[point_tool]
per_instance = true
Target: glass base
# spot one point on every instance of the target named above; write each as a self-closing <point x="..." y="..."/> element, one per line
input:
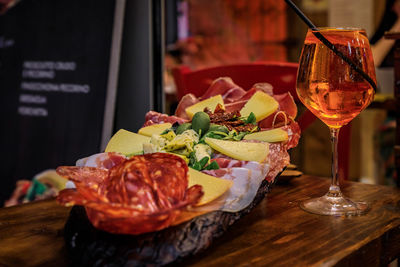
<point x="334" y="205"/>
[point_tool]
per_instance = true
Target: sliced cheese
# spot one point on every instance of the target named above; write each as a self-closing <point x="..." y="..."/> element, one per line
<point x="210" y="103"/>
<point x="240" y="150"/>
<point x="212" y="187"/>
<point x="127" y="143"/>
<point x="274" y="135"/>
<point x="154" y="129"/>
<point x="261" y="104"/>
<point x="52" y="178"/>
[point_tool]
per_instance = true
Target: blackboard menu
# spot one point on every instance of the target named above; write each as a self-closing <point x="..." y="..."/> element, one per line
<point x="54" y="64"/>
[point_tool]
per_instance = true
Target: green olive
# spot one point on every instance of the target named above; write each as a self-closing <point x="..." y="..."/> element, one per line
<point x="183" y="127"/>
<point x="201" y="122"/>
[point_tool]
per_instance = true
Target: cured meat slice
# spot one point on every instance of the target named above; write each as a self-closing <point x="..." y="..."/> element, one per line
<point x="239" y="103"/>
<point x="167" y="180"/>
<point x="275" y="120"/>
<point x="86" y="180"/>
<point x="278" y="159"/>
<point x="293" y="130"/>
<point x="287" y="104"/>
<point x="290" y="126"/>
<point x="225" y="87"/>
<point x="89" y="176"/>
<point x="265" y="87"/>
<point x="235" y="105"/>
<point x="233" y="95"/>
<point x="152" y="181"/>
<point x="186" y="101"/>
<point x="145" y="193"/>
<point x="105" y="160"/>
<point x="153" y="117"/>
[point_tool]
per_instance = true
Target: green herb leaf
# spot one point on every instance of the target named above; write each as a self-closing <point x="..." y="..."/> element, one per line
<point x="173" y="128"/>
<point x="196" y="166"/>
<point x="212" y="166"/>
<point x="192" y="158"/>
<point x="213" y="134"/>
<point x="239" y="136"/>
<point x="203" y="162"/>
<point x="134" y="154"/>
<point x="251" y="119"/>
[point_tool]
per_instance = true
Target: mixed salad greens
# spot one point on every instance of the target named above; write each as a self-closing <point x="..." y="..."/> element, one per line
<point x="187" y="139"/>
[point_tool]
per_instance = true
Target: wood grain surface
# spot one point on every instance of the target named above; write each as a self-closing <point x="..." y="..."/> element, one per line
<point x="279" y="233"/>
<point x="276" y="233"/>
<point x="32" y="234"/>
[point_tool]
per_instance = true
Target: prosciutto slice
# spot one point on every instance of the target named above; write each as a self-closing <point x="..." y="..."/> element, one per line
<point x="278" y="158"/>
<point x="153" y="117"/>
<point x="186" y="101"/>
<point x="101" y="160"/>
<point x="225" y="87"/>
<point x="247" y="177"/>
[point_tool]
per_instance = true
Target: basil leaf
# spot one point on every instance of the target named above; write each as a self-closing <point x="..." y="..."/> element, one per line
<point x="251" y="119"/>
<point x="203" y="162"/>
<point x="196" y="166"/>
<point x="239" y="136"/>
<point x="173" y="128"/>
<point x="212" y="166"/>
<point x="192" y="158"/>
<point x="212" y="134"/>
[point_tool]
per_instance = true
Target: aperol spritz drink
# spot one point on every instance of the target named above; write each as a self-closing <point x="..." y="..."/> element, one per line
<point x="336" y="86"/>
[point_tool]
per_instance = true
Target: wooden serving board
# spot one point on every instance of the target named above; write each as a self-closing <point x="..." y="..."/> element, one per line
<point x="88" y="246"/>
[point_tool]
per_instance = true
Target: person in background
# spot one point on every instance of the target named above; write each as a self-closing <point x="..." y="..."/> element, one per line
<point x="382" y="49"/>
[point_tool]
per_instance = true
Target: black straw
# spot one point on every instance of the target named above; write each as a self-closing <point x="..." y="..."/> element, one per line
<point x="301" y="15"/>
<point x="331" y="46"/>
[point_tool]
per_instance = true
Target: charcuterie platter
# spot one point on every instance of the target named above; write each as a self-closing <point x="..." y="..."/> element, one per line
<point x="166" y="192"/>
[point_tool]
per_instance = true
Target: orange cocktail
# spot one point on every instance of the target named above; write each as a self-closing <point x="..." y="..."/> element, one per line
<point x="336" y="81"/>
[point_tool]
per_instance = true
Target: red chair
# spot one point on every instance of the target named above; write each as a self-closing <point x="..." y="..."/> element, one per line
<point x="281" y="75"/>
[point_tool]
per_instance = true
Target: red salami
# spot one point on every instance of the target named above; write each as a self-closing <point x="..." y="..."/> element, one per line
<point x="278" y="159"/>
<point x="143" y="194"/>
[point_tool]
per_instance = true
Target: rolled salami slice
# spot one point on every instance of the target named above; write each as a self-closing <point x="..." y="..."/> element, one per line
<point x="143" y="194"/>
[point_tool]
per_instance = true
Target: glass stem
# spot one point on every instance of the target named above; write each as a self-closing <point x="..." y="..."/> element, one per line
<point x="334" y="189"/>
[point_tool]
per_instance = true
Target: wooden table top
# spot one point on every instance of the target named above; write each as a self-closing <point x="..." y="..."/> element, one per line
<point x="276" y="233"/>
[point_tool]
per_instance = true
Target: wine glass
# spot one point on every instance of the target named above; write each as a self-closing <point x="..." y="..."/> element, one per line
<point x="336" y="81"/>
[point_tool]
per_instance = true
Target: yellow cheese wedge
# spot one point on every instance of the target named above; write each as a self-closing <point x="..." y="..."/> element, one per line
<point x="210" y="103"/>
<point x="212" y="187"/>
<point x="274" y="135"/>
<point x="51" y="178"/>
<point x="240" y="150"/>
<point x="154" y="129"/>
<point x="127" y="143"/>
<point x="261" y="104"/>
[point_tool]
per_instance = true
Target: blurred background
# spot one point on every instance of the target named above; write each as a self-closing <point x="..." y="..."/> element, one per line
<point x="73" y="72"/>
